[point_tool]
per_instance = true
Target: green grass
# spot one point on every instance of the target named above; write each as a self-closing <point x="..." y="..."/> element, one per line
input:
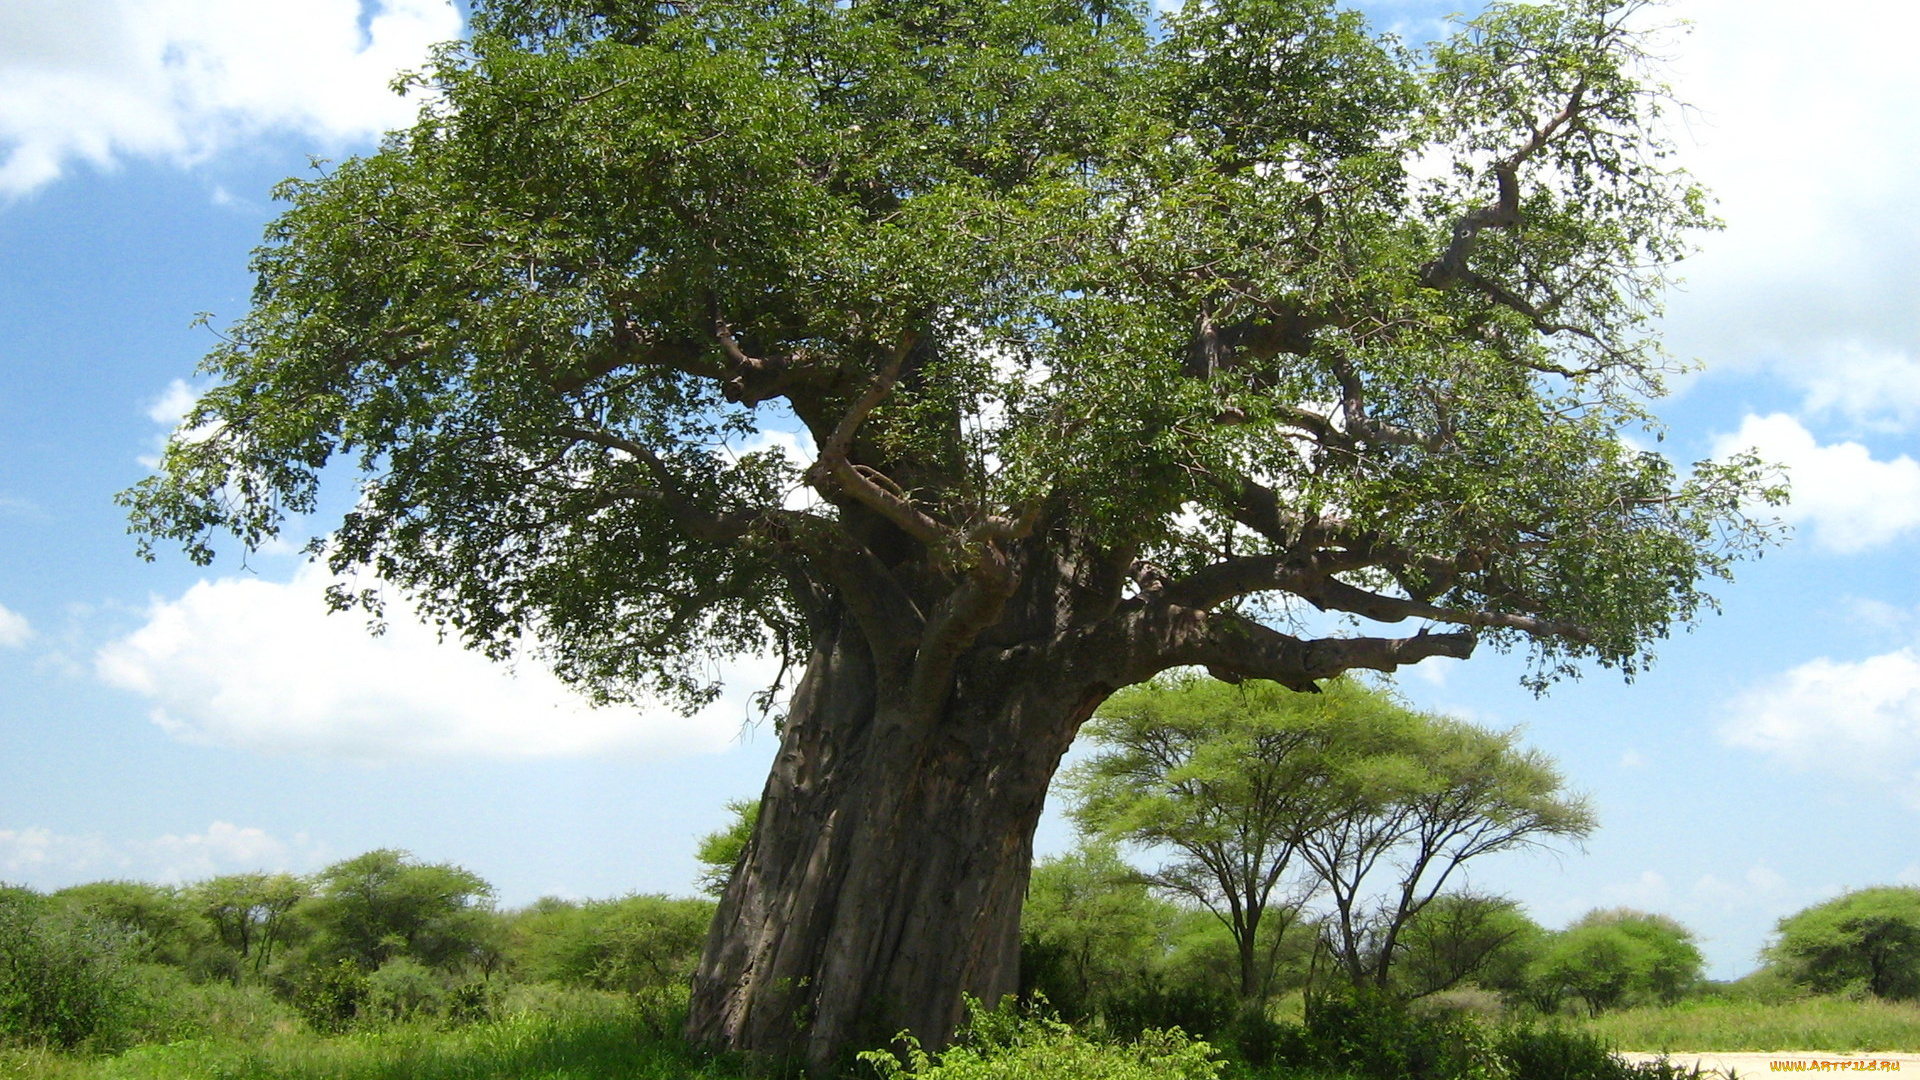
<point x="1811" y="1024"/>
<point x="586" y="1045"/>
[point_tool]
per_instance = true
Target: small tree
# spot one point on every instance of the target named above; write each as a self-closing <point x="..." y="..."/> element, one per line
<point x="721" y="849"/>
<point x="1461" y="938"/>
<point x="1867" y="940"/>
<point x="1226" y="779"/>
<point x="1617" y="957"/>
<point x="1239" y="782"/>
<point x="63" y="977"/>
<point x="159" y="918"/>
<point x="1090" y="928"/>
<point x="1415" y="797"/>
<point x="383" y="904"/>
<point x="251" y="912"/>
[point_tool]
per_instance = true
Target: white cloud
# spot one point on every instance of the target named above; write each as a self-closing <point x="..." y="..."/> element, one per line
<point x="1800" y="130"/>
<point x="40" y="856"/>
<point x="14" y="628"/>
<point x="98" y="80"/>
<point x="1870" y="386"/>
<point x="262" y="666"/>
<point x="1848" y="499"/>
<point x="173" y="404"/>
<point x="1853" y="719"/>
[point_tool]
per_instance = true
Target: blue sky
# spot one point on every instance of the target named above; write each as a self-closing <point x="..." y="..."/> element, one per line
<point x="165" y="722"/>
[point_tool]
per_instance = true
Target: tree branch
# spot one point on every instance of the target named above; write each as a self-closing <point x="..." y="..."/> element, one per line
<point x="699" y="522"/>
<point x="1313" y="581"/>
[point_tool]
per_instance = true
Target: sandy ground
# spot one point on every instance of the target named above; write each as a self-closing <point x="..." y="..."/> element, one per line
<point x="1751" y="1066"/>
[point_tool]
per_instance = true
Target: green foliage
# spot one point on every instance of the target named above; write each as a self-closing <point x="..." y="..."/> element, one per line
<point x="1243" y="785"/>
<point x="251" y="913"/>
<point x="330" y="997"/>
<point x="1466" y="938"/>
<point x="63" y="974"/>
<point x="720" y="850"/>
<point x="1369" y="1033"/>
<point x="375" y="907"/>
<point x="635" y="944"/>
<point x="1003" y="1046"/>
<point x="1617" y="957"/>
<point x="1090" y="930"/>
<point x="1867" y="941"/>
<point x="1559" y="1054"/>
<point x="1090" y="272"/>
<point x="159" y="919"/>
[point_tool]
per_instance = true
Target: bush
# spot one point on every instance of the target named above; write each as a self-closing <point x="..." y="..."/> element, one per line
<point x="330" y="997"/>
<point x="637" y="944"/>
<point x="63" y="975"/>
<point x="1001" y="1046"/>
<point x="170" y="1006"/>
<point x="1614" y="958"/>
<point x="1371" y="1034"/>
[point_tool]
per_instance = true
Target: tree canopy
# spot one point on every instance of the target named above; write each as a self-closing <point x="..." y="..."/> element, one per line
<point x="1866" y="940"/>
<point x="1251" y="789"/>
<point x="1264" y="304"/>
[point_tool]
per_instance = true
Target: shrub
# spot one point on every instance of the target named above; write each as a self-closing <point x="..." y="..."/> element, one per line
<point x="330" y="996"/>
<point x="1001" y="1046"/>
<point x="1372" y="1034"/>
<point x="637" y="944"/>
<point x="1617" y="957"/>
<point x="63" y="974"/>
<point x="403" y="989"/>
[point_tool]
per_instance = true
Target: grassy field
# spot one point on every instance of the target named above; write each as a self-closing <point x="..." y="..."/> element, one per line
<point x="602" y="1045"/>
<point x="1812" y="1024"/>
<point x="593" y="1039"/>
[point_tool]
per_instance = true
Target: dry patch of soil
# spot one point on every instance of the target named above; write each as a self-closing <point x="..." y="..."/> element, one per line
<point x="1751" y="1066"/>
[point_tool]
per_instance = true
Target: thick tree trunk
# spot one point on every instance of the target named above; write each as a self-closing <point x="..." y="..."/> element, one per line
<point x="886" y="875"/>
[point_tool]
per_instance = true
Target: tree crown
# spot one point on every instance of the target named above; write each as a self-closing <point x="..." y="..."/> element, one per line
<point x="1263" y="309"/>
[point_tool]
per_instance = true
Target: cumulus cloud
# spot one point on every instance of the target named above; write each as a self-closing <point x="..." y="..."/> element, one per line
<point x="1852" y="718"/>
<point x="100" y="80"/>
<point x="259" y="665"/>
<point x="1873" y="387"/>
<point x="14" y="628"/>
<point x="44" y="857"/>
<point x="1797" y="128"/>
<point x="1848" y="500"/>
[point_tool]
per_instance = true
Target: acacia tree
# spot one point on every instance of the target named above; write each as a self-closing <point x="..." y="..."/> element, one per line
<point x="1228" y="780"/>
<point x="1868" y="939"/>
<point x="1104" y="344"/>
<point x="1239" y="782"/>
<point x="1414" y="798"/>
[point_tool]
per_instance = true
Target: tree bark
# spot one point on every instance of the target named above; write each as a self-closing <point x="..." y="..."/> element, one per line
<point x="884" y="881"/>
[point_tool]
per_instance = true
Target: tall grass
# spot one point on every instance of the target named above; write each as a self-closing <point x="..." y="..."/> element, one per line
<point x="1830" y="1024"/>
<point x="594" y="1041"/>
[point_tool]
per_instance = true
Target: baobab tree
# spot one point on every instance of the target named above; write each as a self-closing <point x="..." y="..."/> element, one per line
<point x="1109" y="348"/>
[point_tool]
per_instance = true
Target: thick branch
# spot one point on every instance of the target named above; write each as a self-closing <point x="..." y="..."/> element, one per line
<point x="1504" y="212"/>
<point x="1151" y="635"/>
<point x="1233" y="647"/>
<point x="834" y="468"/>
<point x="1312" y="580"/>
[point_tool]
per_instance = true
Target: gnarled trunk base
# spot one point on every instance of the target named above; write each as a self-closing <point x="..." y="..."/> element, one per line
<point x="885" y="878"/>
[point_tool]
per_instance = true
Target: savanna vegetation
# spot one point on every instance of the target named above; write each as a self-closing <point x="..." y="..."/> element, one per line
<point x="1207" y="925"/>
